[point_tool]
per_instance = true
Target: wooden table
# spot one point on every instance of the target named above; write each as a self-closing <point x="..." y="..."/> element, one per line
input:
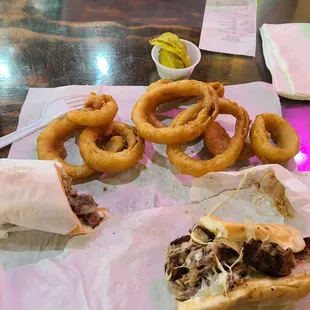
<point x="64" y="42"/>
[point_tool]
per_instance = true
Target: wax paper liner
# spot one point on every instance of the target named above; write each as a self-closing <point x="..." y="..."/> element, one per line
<point x="122" y="265"/>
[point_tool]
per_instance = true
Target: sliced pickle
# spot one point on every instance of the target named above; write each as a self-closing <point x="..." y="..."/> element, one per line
<point x="171" y="43"/>
<point x="170" y="60"/>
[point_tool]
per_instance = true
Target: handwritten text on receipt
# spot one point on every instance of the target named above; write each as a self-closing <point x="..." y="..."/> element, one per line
<point x="229" y="26"/>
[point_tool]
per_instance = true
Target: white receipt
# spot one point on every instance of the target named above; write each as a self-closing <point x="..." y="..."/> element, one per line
<point x="229" y="26"/>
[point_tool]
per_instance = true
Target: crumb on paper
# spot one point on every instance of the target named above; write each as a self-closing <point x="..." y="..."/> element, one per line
<point x="105" y="189"/>
<point x="186" y="211"/>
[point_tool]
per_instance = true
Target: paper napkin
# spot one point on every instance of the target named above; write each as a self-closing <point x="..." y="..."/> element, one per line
<point x="286" y="48"/>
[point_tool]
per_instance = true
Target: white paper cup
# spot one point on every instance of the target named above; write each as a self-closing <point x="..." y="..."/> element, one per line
<point x="177" y="74"/>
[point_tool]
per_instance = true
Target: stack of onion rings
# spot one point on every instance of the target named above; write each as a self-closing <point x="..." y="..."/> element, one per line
<point x="121" y="146"/>
<point x="206" y="109"/>
<point x="106" y="161"/>
<point x="197" y="168"/>
<point x="226" y="149"/>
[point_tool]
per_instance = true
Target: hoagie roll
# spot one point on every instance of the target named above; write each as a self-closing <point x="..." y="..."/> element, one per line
<point x="222" y="264"/>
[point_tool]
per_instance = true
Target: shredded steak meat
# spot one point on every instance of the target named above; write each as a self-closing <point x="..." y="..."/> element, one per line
<point x="187" y="264"/>
<point x="226" y="255"/>
<point x="268" y="258"/>
<point x="180" y="240"/>
<point x="92" y="219"/>
<point x="84" y="206"/>
<point x="239" y="271"/>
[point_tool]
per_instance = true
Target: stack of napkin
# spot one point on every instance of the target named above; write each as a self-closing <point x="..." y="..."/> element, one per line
<point x="286" y="50"/>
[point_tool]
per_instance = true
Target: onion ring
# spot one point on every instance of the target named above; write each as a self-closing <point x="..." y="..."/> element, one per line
<point x="175" y="133"/>
<point x="105" y="161"/>
<point x="98" y="111"/>
<point x="158" y="84"/>
<point x="216" y="140"/>
<point x="50" y="146"/>
<point x="115" y="144"/>
<point x="217" y="86"/>
<point x="197" y="168"/>
<point x="268" y="125"/>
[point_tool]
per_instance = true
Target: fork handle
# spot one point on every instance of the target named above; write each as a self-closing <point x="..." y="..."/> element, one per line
<point x="21" y="133"/>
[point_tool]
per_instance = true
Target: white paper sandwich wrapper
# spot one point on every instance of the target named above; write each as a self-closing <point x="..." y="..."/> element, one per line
<point x="286" y="49"/>
<point x="32" y="197"/>
<point x="214" y="188"/>
<point x="122" y="265"/>
<point x="119" y="267"/>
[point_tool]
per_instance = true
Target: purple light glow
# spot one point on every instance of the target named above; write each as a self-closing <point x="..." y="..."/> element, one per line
<point x="300" y="121"/>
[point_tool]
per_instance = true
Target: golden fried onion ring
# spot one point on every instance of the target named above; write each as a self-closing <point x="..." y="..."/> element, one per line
<point x="115" y="144"/>
<point x="98" y="110"/>
<point x="216" y="140"/>
<point x="158" y="84"/>
<point x="217" y="86"/>
<point x="175" y="133"/>
<point x="105" y="161"/>
<point x="197" y="168"/>
<point x="50" y="146"/>
<point x="268" y="125"/>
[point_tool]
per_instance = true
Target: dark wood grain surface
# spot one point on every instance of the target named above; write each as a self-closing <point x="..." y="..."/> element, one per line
<point x="54" y="43"/>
